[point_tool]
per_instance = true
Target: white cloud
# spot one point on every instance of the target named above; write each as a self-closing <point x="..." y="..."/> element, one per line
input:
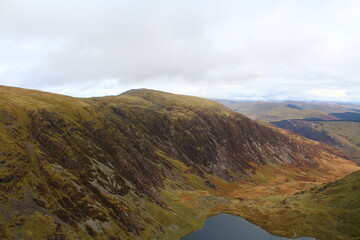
<point x="263" y="49"/>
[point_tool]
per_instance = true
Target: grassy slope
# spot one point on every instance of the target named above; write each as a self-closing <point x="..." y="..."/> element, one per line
<point x="106" y="167"/>
<point x="330" y="211"/>
<point x="347" y="133"/>
<point x="337" y="201"/>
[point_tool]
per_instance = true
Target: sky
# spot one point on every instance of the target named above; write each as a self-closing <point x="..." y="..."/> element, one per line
<point x="235" y="49"/>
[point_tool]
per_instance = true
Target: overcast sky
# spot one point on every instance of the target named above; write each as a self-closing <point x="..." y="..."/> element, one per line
<point x="256" y="49"/>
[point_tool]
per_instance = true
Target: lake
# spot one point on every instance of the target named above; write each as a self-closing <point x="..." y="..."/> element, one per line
<point x="228" y="227"/>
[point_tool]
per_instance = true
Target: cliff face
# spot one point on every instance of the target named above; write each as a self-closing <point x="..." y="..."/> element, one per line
<point x="107" y="166"/>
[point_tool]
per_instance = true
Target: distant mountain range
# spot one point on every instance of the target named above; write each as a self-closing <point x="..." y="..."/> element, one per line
<point x="152" y="165"/>
<point x="336" y="124"/>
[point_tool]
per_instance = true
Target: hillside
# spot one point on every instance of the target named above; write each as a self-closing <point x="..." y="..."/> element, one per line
<point x="344" y="135"/>
<point x="337" y="201"/>
<point x="328" y="211"/>
<point x="336" y="124"/>
<point x="142" y="164"/>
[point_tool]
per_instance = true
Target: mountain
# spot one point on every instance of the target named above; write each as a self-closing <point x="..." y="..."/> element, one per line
<point x="141" y="165"/>
<point x="336" y="124"/>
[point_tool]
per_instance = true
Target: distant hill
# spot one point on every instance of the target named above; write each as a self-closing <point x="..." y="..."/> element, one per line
<point x="336" y="124"/>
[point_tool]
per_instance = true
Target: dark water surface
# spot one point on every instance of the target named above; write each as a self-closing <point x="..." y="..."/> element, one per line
<point x="228" y="227"/>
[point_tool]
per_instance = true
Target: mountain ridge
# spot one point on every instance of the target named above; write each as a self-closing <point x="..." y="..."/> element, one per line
<point x="120" y="167"/>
